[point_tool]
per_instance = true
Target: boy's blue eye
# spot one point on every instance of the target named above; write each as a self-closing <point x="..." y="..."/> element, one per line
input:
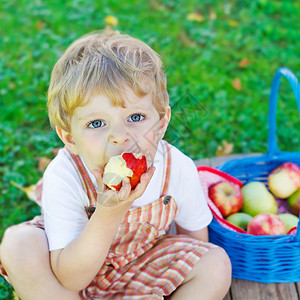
<point x="136" y="118"/>
<point x="96" y="124"/>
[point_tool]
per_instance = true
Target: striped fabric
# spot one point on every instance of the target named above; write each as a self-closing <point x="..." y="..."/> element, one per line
<point x="85" y="179"/>
<point x="143" y="262"/>
<point x="157" y="272"/>
<point x="167" y="164"/>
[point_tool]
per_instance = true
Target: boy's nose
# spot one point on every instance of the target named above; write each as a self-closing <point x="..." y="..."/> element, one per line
<point x="119" y="137"/>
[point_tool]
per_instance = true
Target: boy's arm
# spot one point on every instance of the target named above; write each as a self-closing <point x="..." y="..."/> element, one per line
<point x="76" y="265"/>
<point x="201" y="235"/>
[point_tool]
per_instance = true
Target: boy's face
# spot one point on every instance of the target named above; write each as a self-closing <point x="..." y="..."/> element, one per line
<point x="100" y="130"/>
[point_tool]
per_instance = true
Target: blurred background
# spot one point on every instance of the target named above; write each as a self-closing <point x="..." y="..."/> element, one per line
<point x="219" y="56"/>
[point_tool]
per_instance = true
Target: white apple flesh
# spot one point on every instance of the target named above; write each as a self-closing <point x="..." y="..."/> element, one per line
<point x="127" y="164"/>
<point x="115" y="171"/>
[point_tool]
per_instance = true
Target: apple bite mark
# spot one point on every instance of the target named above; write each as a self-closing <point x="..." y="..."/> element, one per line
<point x="127" y="164"/>
<point x="138" y="164"/>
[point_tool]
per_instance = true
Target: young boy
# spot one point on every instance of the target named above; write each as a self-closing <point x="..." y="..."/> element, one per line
<point x="108" y="95"/>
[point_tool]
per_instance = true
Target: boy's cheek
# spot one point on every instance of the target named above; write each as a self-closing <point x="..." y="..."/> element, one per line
<point x="156" y="133"/>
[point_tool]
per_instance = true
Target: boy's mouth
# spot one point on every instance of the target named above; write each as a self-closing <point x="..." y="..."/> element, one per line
<point x="125" y="165"/>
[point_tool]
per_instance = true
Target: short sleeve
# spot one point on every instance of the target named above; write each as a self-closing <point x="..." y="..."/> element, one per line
<point x="193" y="211"/>
<point x="63" y="201"/>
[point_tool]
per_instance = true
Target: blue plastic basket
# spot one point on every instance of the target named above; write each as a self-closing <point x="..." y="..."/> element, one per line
<point x="273" y="258"/>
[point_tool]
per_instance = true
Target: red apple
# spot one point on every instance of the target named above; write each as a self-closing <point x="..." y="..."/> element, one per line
<point x="266" y="224"/>
<point x="226" y="196"/>
<point x="284" y="180"/>
<point x="294" y="203"/>
<point x="127" y="164"/>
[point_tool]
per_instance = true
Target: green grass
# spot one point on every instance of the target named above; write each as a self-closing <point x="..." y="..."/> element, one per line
<point x="201" y="60"/>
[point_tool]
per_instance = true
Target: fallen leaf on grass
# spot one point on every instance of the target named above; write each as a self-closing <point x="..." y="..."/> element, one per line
<point x="43" y="163"/>
<point x="111" y="20"/>
<point x="195" y="17"/>
<point x="244" y="62"/>
<point x="16" y="297"/>
<point x="39" y="25"/>
<point x="233" y="23"/>
<point x="30" y="190"/>
<point x="11" y="85"/>
<point x="212" y="15"/>
<point x="55" y="151"/>
<point x="225" y="149"/>
<point x="237" y="84"/>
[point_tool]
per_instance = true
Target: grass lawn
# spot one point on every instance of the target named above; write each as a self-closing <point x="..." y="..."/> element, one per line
<point x="220" y="57"/>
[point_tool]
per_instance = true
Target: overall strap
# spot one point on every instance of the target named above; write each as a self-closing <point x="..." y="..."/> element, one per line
<point x="85" y="179"/>
<point x="167" y="168"/>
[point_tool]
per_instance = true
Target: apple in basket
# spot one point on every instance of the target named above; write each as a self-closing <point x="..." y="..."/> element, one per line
<point x="289" y="220"/>
<point x="127" y="164"/>
<point x="284" y="180"/>
<point x="226" y="196"/>
<point x="294" y="203"/>
<point x="266" y="224"/>
<point x="239" y="219"/>
<point x="257" y="199"/>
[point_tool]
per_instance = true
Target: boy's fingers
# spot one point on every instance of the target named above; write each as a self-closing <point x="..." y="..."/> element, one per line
<point x="113" y="198"/>
<point x="146" y="177"/>
<point x="125" y="189"/>
<point x="144" y="181"/>
<point x="150" y="172"/>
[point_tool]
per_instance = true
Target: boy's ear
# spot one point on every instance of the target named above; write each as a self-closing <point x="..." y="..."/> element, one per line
<point x="66" y="138"/>
<point x="165" y="122"/>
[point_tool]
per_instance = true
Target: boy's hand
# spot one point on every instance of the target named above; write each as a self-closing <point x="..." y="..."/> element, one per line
<point x="120" y="201"/>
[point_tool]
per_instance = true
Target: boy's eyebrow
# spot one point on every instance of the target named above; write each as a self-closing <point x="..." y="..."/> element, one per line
<point x="96" y="114"/>
<point x="88" y="116"/>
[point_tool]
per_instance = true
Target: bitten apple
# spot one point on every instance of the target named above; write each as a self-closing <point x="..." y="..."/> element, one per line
<point x="284" y="180"/>
<point x="226" y="196"/>
<point x="127" y="164"/>
<point x="266" y="224"/>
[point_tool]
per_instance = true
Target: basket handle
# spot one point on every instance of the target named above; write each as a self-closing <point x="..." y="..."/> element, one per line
<point x="272" y="141"/>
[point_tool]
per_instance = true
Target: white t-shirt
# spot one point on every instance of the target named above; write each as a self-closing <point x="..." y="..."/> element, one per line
<point x="64" y="200"/>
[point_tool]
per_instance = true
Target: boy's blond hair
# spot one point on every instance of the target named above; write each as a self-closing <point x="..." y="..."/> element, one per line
<point x="104" y="63"/>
